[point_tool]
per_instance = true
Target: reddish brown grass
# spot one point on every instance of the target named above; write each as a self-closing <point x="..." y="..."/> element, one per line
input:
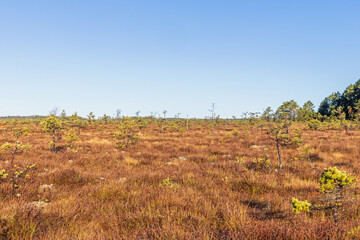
<point x="101" y="192"/>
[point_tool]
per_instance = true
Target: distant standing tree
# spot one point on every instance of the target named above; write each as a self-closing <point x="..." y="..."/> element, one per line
<point x="51" y="125"/>
<point x="288" y="110"/>
<point x="187" y="122"/>
<point x="63" y="115"/>
<point x="163" y="122"/>
<point x="137" y="113"/>
<point x="106" y="118"/>
<point x="212" y="112"/>
<point x="75" y="121"/>
<point x="329" y="104"/>
<point x="164" y="112"/>
<point x="307" y="112"/>
<point x="118" y="113"/>
<point x="279" y="133"/>
<point x="91" y="118"/>
<point x="54" y="111"/>
<point x="244" y="115"/>
<point x="267" y="114"/>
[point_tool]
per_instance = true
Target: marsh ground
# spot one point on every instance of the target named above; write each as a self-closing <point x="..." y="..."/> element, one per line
<point x="198" y="184"/>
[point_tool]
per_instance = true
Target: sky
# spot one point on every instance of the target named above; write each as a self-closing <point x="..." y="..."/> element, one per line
<point x="181" y="55"/>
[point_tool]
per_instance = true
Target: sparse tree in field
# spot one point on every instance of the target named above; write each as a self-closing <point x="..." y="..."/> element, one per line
<point x="106" y="118"/>
<point x="244" y="115"/>
<point x="344" y="123"/>
<point x="267" y="114"/>
<point x="37" y="123"/>
<point x="76" y="121"/>
<point x="306" y="113"/>
<point x="212" y="112"/>
<point x="91" y="118"/>
<point x="54" y="111"/>
<point x="51" y="125"/>
<point x="118" y="113"/>
<point x="235" y="133"/>
<point x="127" y="133"/>
<point x="63" y="115"/>
<point x="141" y="123"/>
<point x="288" y="110"/>
<point x="187" y="122"/>
<point x="163" y="122"/>
<point x="71" y="137"/>
<point x="279" y="133"/>
<point x="333" y="184"/>
<point x="164" y="112"/>
<point x="254" y="117"/>
<point x="15" y="173"/>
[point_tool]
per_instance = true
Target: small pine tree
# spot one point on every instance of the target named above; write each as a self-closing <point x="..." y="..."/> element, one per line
<point x="51" y="125"/>
<point x="91" y="118"/>
<point x="127" y="133"/>
<point x="15" y="173"/>
<point x="71" y="137"/>
<point x="333" y="183"/>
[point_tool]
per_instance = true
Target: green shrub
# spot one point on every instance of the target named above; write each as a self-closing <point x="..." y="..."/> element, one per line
<point x="299" y="206"/>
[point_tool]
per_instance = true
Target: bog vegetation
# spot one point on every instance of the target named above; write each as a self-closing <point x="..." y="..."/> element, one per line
<point x="284" y="174"/>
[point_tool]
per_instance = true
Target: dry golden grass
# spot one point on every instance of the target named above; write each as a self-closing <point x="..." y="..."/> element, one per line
<point x="213" y="190"/>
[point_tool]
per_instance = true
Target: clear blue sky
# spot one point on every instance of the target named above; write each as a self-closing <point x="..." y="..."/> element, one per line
<point x="178" y="55"/>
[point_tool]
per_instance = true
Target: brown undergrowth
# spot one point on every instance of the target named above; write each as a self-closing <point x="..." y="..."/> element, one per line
<point x="201" y="183"/>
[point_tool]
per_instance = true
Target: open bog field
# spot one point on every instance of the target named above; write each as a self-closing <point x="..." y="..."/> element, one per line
<point x="175" y="182"/>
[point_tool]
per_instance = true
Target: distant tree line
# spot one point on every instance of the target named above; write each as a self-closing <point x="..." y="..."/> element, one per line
<point x="348" y="103"/>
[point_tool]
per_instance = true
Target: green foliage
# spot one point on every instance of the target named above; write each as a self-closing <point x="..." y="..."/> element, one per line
<point x="314" y="124"/>
<point x="127" y="133"/>
<point x="15" y="174"/>
<point x="299" y="206"/>
<point x="307" y="112"/>
<point x="267" y="114"/>
<point x="167" y="182"/>
<point x="347" y="102"/>
<point x="141" y="123"/>
<point x="91" y="118"/>
<point x="3" y="174"/>
<point x="329" y="105"/>
<point x="78" y="122"/>
<point x="332" y="184"/>
<point x="333" y="179"/>
<point x="181" y="130"/>
<point x="71" y="137"/>
<point x="288" y="110"/>
<point x="296" y="140"/>
<point x="105" y="119"/>
<point x="63" y="115"/>
<point x="16" y="147"/>
<point x="19" y="174"/>
<point x="261" y="163"/>
<point x="51" y="124"/>
<point x="306" y="152"/>
<point x="354" y="232"/>
<point x="280" y="133"/>
<point x="235" y="132"/>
